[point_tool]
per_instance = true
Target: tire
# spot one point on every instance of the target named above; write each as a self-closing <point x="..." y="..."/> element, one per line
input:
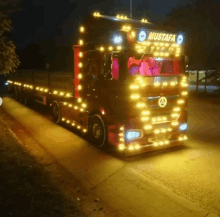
<point x="15" y="96"/>
<point x="19" y="96"/>
<point x="56" y="112"/>
<point x="98" y="130"/>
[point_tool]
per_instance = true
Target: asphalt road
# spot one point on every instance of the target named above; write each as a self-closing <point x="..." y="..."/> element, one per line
<point x="191" y="171"/>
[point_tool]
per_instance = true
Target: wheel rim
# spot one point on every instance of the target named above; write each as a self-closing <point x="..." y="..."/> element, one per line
<point x="96" y="130"/>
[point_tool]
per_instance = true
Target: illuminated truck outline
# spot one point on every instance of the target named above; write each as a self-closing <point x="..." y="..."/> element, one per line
<point x="153" y="126"/>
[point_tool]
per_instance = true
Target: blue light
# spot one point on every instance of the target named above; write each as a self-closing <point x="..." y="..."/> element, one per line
<point x="133" y="134"/>
<point x="117" y="39"/>
<point x="142" y="35"/>
<point x="6" y="83"/>
<point x="179" y="39"/>
<point x="183" y="127"/>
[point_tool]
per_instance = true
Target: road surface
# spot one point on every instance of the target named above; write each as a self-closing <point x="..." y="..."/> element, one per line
<point x="191" y="171"/>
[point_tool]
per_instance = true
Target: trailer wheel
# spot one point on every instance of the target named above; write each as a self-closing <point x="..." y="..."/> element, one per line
<point x="56" y="112"/>
<point x="15" y="96"/>
<point x="98" y="130"/>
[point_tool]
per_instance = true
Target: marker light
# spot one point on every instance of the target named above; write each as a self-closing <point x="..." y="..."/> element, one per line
<point x="142" y="35"/>
<point x="132" y="135"/>
<point x="6" y="83"/>
<point x="180" y="39"/>
<point x="117" y="39"/>
<point x="183" y="127"/>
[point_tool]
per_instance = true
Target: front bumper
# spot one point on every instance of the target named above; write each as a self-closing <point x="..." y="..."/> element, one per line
<point x="142" y="148"/>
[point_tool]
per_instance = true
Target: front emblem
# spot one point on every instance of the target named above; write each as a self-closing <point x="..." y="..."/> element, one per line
<point x="162" y="101"/>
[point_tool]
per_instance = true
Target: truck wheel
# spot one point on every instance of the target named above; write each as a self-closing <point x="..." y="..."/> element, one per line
<point x="56" y="112"/>
<point x="98" y="130"/>
<point x="15" y="96"/>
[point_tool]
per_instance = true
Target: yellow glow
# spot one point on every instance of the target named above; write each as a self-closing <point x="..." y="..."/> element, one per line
<point x="163" y="130"/>
<point x="31" y="87"/>
<point x="81" y="42"/>
<point x="121" y="146"/>
<point x="24" y="85"/>
<point x="162" y="44"/>
<point x="148" y="127"/>
<point x="174" y="123"/>
<point x="172" y="83"/>
<point x="161" y="143"/>
<point x="84" y="105"/>
<point x="180" y="139"/>
<point x="82" y="29"/>
<point x="75" y="107"/>
<point x="156" y="53"/>
<point x="156" y="43"/>
<point x="161" y="54"/>
<point x="133" y="34"/>
<point x="165" y="83"/>
<point x="63" y="119"/>
<point x="180" y="101"/>
<point x="184" y="93"/>
<point x="145" y="118"/>
<point x="78" y="127"/>
<point x="177" y="109"/>
<point x="145" y="112"/>
<point x="80" y="54"/>
<point x="166" y="142"/>
<point x="137" y="146"/>
<point x="169" y="129"/>
<point x="134" y="86"/>
<point x="154" y="119"/>
<point x="164" y="118"/>
<point x="79" y="87"/>
<point x="131" y="148"/>
<point x="79" y="100"/>
<point x="121" y="140"/>
<point x="70" y="105"/>
<point x="156" y="131"/>
<point x="119" y="47"/>
<point x="166" y="54"/>
<point x="121" y="134"/>
<point x="155" y="144"/>
<point x="159" y="119"/>
<point x="61" y="93"/>
<point x="41" y="89"/>
<point x="65" y="103"/>
<point x="122" y="128"/>
<point x="37" y="88"/>
<point x="110" y="48"/>
<point x="55" y="92"/>
<point x="184" y="84"/>
<point x="102" y="48"/>
<point x="166" y="44"/>
<point x="185" y="137"/>
<point x="80" y="65"/>
<point x="68" y="121"/>
<point x="81" y="109"/>
<point x="68" y="95"/>
<point x="73" y="124"/>
<point x="177" y="55"/>
<point x="156" y="84"/>
<point x="80" y="76"/>
<point x="140" y="105"/>
<point x="84" y="130"/>
<point x="174" y="115"/>
<point x="135" y="96"/>
<point x="46" y="90"/>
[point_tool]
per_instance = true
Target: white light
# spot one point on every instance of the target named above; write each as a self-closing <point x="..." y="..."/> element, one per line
<point x="117" y="39"/>
<point x="179" y="39"/>
<point x="133" y="134"/>
<point x="183" y="127"/>
<point x="142" y="35"/>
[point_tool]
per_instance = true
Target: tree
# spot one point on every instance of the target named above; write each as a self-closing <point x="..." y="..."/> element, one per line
<point x="8" y="59"/>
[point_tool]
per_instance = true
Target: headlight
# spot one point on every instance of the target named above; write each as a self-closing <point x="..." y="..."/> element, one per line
<point x="183" y="127"/>
<point x="133" y="134"/>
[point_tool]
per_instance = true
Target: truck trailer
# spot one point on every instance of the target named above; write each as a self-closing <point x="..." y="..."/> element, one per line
<point x="128" y="88"/>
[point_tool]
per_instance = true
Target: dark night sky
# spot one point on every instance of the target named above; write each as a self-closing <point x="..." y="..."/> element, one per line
<point x="57" y="19"/>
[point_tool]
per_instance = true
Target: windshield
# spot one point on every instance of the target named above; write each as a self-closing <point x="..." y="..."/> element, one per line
<point x="152" y="66"/>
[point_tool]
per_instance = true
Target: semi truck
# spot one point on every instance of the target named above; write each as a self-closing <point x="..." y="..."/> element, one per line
<point x="128" y="87"/>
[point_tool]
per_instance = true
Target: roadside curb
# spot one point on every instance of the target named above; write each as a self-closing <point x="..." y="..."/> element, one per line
<point x="119" y="186"/>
